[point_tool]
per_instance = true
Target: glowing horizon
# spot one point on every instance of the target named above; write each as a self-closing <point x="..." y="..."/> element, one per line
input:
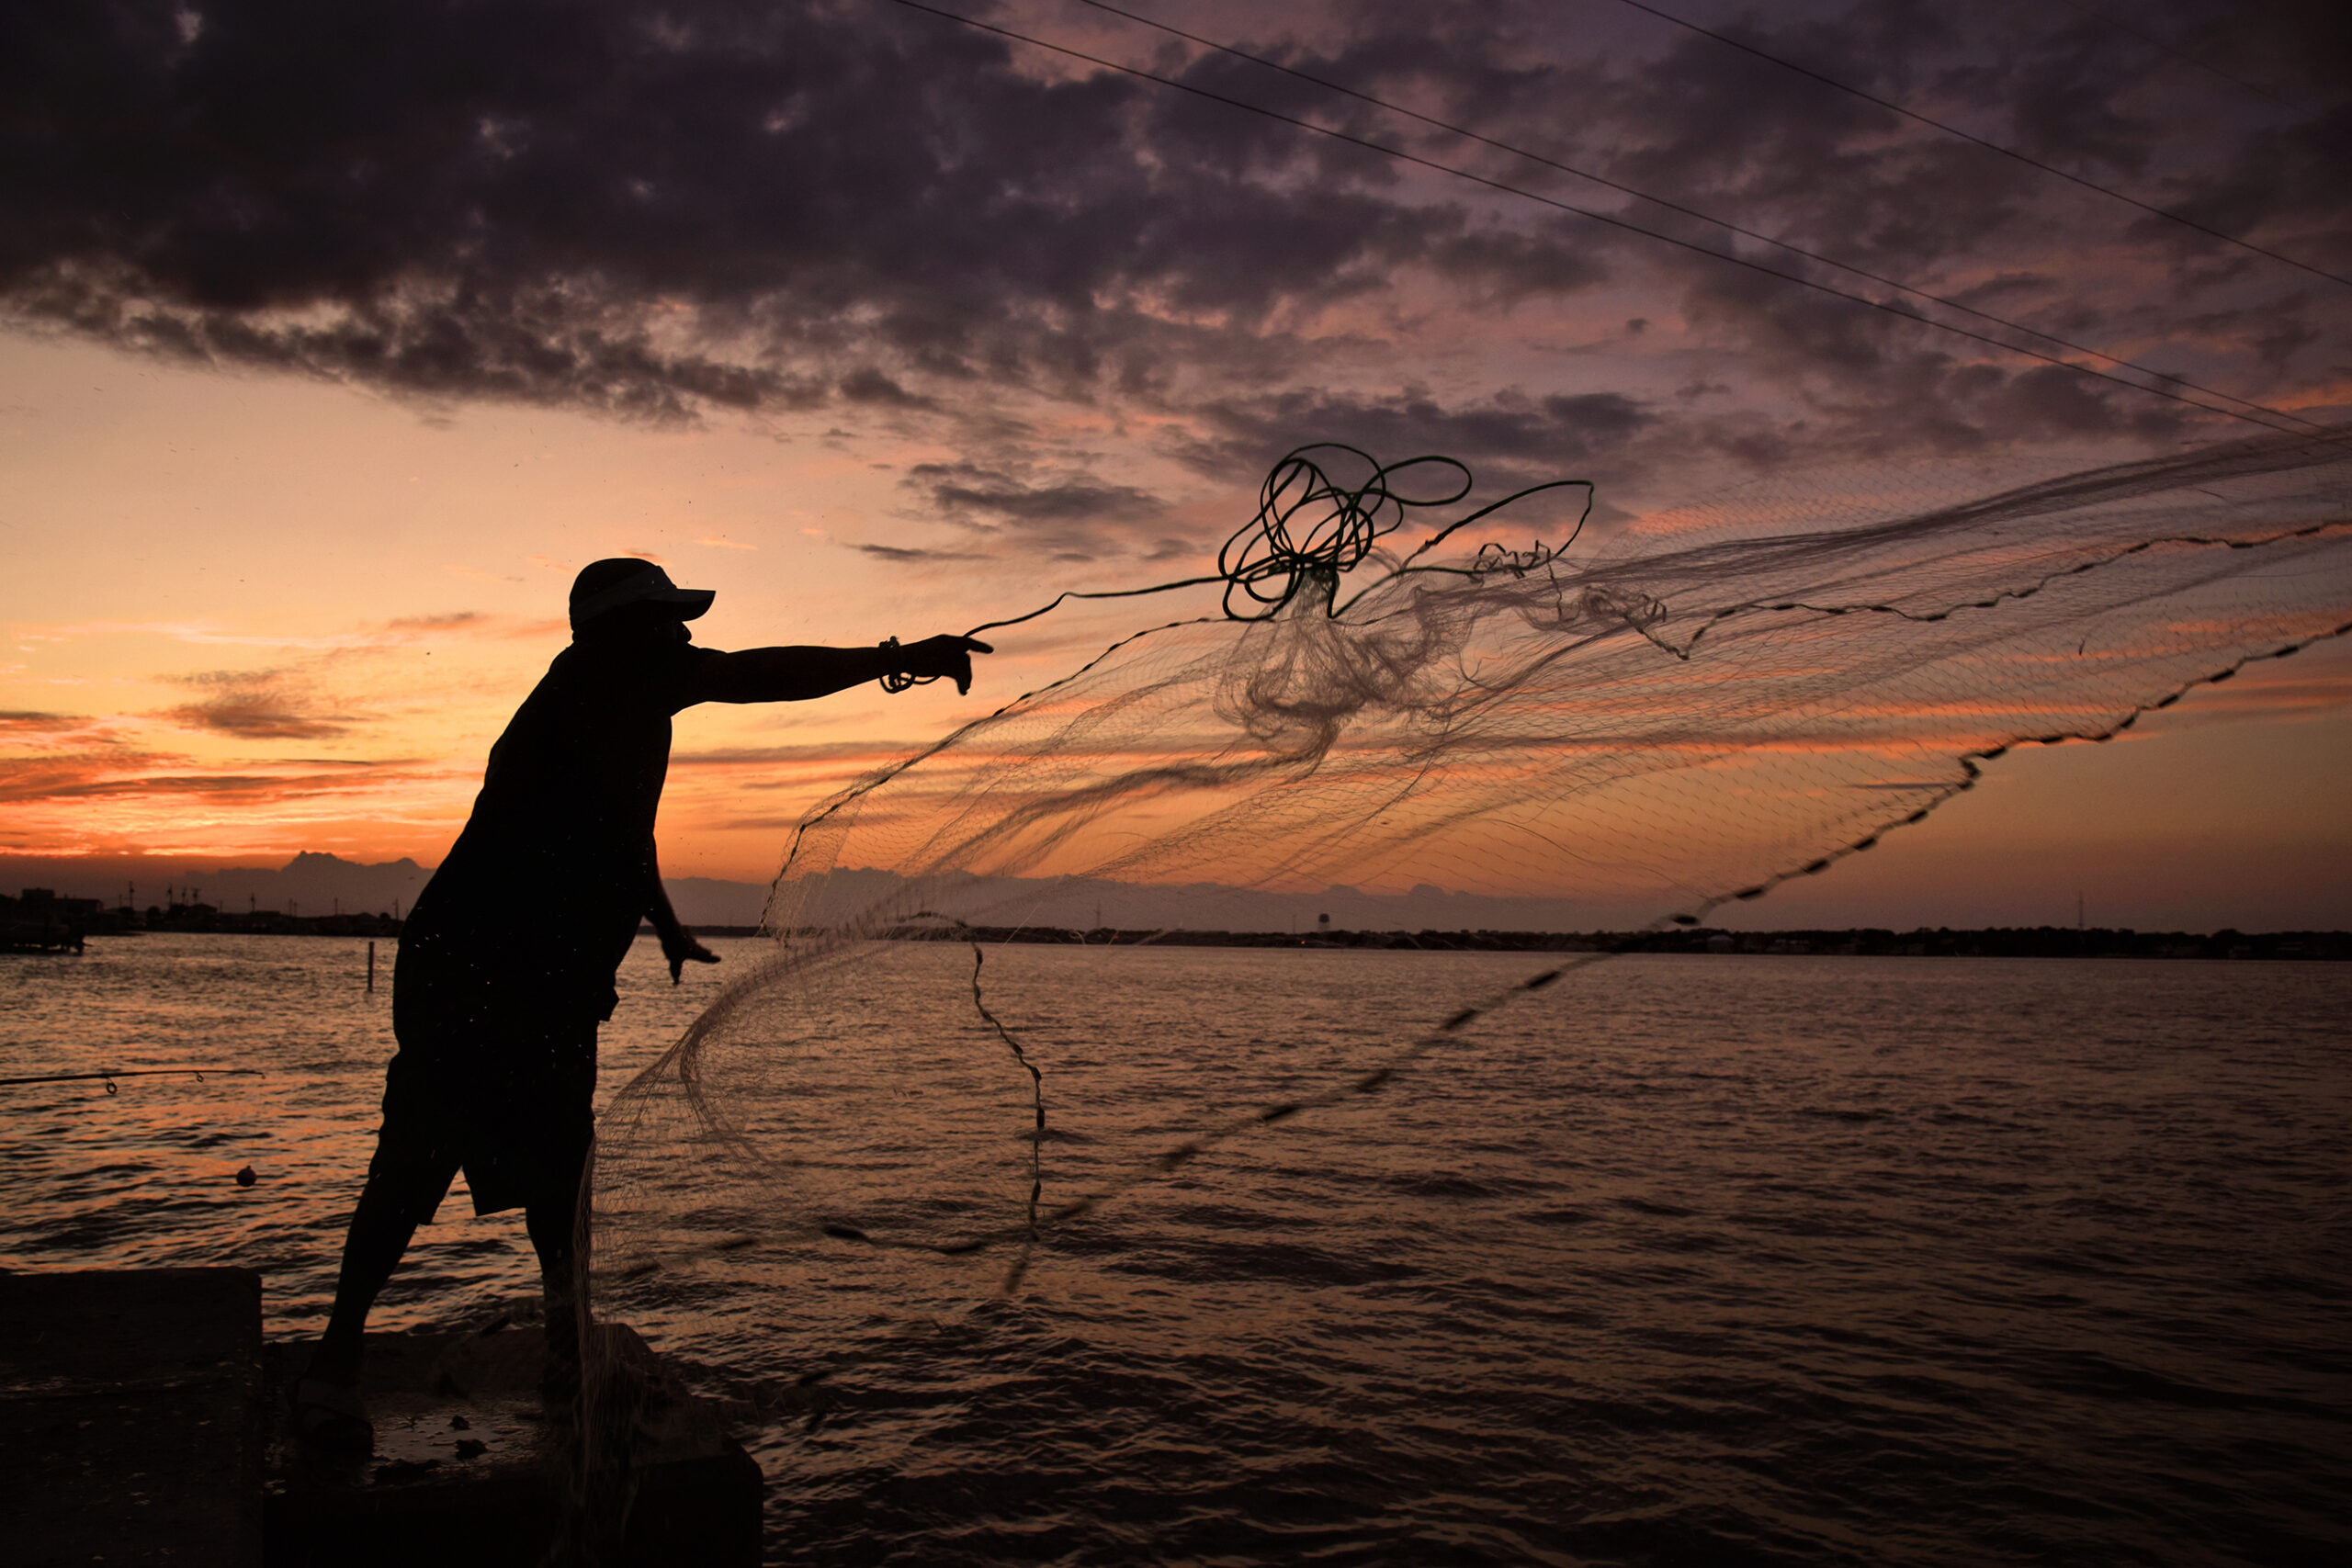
<point x="290" y="543"/>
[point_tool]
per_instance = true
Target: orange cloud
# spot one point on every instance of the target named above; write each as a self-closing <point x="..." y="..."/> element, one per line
<point x="121" y="798"/>
<point x="396" y="632"/>
<point x="257" y="704"/>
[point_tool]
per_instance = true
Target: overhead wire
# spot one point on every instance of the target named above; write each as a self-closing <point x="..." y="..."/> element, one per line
<point x="1609" y="220"/>
<point x="2006" y="151"/>
<point x="1687" y="210"/>
<point x="2119" y="25"/>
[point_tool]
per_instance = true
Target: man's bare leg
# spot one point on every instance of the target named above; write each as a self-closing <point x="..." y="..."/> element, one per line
<point x="552" y="1234"/>
<point x="326" y="1396"/>
<point x="382" y="1227"/>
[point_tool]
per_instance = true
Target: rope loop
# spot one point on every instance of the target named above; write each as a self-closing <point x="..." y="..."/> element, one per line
<point x="1310" y="528"/>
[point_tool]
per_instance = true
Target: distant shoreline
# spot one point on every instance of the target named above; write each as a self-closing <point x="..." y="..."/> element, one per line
<point x="2001" y="942"/>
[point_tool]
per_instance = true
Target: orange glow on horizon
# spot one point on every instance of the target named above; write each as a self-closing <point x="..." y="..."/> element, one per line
<point x="298" y="621"/>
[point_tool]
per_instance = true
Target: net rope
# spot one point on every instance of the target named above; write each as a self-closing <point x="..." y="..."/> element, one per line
<point x="1709" y="704"/>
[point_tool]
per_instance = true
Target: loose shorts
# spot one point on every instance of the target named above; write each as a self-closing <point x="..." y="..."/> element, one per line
<point x="495" y="1076"/>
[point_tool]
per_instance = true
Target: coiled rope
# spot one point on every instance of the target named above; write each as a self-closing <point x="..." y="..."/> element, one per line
<point x="1311" y="529"/>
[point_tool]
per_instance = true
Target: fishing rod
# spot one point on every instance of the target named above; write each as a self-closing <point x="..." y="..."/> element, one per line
<point x="129" y="1073"/>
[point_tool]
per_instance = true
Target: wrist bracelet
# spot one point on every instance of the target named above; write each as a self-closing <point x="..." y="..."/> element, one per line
<point x="896" y="681"/>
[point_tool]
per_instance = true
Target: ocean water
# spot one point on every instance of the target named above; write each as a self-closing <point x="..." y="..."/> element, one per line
<point x="1704" y="1259"/>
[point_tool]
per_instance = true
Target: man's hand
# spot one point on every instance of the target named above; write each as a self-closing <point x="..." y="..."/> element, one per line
<point x="682" y="949"/>
<point x="943" y="657"/>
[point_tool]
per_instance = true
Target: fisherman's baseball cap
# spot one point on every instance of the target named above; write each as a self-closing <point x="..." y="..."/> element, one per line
<point x="624" y="580"/>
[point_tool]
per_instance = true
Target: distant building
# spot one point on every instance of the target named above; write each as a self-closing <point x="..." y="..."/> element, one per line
<point x="37" y="920"/>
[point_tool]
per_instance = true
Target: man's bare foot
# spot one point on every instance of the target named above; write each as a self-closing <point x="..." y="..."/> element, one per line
<point x="560" y="1376"/>
<point x="331" y="1418"/>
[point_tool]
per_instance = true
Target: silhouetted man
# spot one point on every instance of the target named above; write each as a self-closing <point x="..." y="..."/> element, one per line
<point x="507" y="961"/>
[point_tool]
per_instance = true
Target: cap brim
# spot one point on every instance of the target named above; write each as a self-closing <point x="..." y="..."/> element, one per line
<point x="688" y="603"/>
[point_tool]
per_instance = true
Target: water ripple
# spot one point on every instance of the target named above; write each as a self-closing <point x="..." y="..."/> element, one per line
<point x="1723" y="1260"/>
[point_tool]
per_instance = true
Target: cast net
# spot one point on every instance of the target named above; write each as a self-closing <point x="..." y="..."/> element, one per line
<point x="902" y="1107"/>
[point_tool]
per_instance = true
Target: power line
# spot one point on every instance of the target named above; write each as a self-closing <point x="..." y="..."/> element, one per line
<point x="1689" y="212"/>
<point x="2121" y="26"/>
<point x="1614" y="222"/>
<point x="1981" y="141"/>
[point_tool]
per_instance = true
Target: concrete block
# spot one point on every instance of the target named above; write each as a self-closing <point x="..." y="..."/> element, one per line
<point x="130" y="1417"/>
<point x="469" y="1468"/>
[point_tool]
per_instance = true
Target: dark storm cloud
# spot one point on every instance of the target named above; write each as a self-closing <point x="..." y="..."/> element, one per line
<point x="1751" y="141"/>
<point x="1506" y="267"/>
<point x="2049" y="399"/>
<point x="1795" y="157"/>
<point x="971" y="489"/>
<point x="871" y="386"/>
<point x="2296" y="172"/>
<point x="1753" y="138"/>
<point x="1045" y="510"/>
<point x="640" y="211"/>
<point x="843" y="204"/>
<point x="1523" y="434"/>
<point x="1878" y="384"/>
<point x="2064" y="109"/>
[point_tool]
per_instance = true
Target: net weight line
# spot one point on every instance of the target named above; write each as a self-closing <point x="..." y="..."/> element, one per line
<point x="1028" y="1234"/>
<point x="803" y="1222"/>
<point x="1342" y="537"/>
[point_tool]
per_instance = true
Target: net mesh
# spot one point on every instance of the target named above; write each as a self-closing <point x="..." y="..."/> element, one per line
<point x="1712" y="701"/>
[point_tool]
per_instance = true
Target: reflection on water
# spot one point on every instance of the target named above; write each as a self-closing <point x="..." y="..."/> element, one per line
<point x="1704" y="1260"/>
<point x="145" y="1178"/>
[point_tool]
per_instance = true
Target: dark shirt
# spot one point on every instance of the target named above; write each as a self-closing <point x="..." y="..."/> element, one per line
<point x="543" y="891"/>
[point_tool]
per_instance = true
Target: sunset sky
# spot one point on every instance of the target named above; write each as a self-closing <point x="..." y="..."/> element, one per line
<point x="337" y="338"/>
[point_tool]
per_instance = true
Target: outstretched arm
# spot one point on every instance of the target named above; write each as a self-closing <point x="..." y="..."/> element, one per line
<point x="797" y="674"/>
<point x="678" y="944"/>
